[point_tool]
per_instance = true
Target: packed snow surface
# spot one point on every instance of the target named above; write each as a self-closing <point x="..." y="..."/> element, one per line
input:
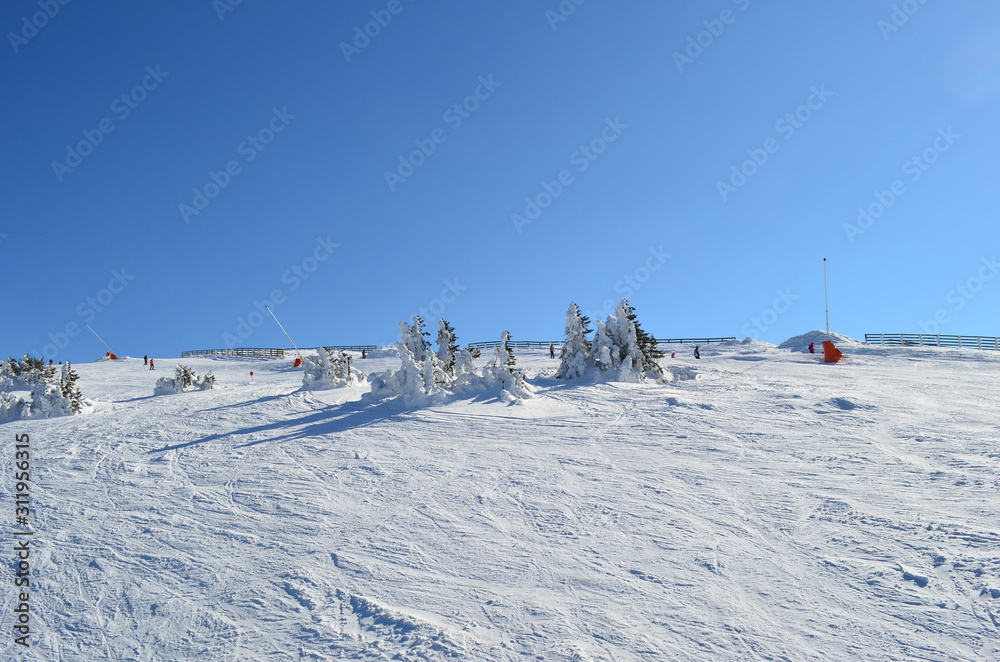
<point x="765" y="506"/>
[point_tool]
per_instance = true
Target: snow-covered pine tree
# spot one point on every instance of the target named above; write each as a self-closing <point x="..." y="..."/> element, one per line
<point x="69" y="390"/>
<point x="648" y="348"/>
<point x="575" y="351"/>
<point x="505" y="352"/>
<point x="420" y="347"/>
<point x="616" y="348"/>
<point x="329" y="370"/>
<point x="501" y="373"/>
<point x="447" y="347"/>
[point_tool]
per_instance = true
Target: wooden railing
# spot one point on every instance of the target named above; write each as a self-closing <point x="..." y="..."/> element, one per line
<point x="692" y="341"/>
<point x="492" y="344"/>
<point x="236" y="351"/>
<point x="932" y="340"/>
<point x="558" y="343"/>
<point x="349" y="348"/>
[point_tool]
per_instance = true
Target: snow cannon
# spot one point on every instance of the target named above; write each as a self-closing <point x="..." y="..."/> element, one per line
<point x="297" y="363"/>
<point x="830" y="353"/>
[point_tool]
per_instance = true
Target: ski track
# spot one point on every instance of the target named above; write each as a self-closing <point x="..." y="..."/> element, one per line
<point x="772" y="509"/>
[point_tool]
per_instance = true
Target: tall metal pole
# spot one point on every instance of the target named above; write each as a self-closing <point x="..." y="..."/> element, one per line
<point x="99" y="338"/>
<point x="283" y="331"/>
<point x="827" y="296"/>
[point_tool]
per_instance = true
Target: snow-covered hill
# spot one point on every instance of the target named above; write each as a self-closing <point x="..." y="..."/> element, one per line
<point x="773" y="508"/>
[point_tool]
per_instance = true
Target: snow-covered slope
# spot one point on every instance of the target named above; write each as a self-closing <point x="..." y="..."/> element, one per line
<point x="773" y="508"/>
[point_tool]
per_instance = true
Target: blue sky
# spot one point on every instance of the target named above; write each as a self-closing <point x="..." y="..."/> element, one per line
<point x="169" y="167"/>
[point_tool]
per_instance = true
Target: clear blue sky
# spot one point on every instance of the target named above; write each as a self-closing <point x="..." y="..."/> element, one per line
<point x="309" y="127"/>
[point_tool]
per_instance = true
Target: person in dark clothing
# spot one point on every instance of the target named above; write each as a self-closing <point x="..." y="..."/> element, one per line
<point x="697" y="354"/>
<point x="552" y="350"/>
<point x="145" y="360"/>
<point x="151" y="364"/>
<point x="364" y="353"/>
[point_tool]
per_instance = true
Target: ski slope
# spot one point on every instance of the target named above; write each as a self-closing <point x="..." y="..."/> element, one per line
<point x="773" y="508"/>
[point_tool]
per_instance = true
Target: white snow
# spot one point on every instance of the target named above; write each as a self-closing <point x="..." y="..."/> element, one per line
<point x="762" y="506"/>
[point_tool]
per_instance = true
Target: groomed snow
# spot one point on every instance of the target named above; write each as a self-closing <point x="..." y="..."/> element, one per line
<point x="766" y="507"/>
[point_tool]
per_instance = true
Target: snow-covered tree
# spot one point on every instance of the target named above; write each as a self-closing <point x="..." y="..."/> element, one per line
<point x="501" y="373"/>
<point x="184" y="379"/>
<point x="69" y="390"/>
<point x="418" y="339"/>
<point x="49" y="394"/>
<point x="574" y="359"/>
<point x="646" y="343"/>
<point x="616" y="348"/>
<point x="329" y="370"/>
<point x="447" y="347"/>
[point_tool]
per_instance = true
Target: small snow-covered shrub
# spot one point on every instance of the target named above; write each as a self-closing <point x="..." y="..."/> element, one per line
<point x="500" y="374"/>
<point x="184" y="379"/>
<point x="50" y="395"/>
<point x="329" y="370"/>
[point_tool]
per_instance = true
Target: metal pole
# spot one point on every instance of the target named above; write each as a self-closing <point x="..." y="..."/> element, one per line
<point x="827" y="297"/>
<point x="283" y="331"/>
<point x="99" y="338"/>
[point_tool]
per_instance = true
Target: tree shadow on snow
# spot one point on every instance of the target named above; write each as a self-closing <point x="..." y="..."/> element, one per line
<point x="329" y="420"/>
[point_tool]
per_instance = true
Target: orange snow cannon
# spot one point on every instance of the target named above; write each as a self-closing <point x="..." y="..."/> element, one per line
<point x="830" y="353"/>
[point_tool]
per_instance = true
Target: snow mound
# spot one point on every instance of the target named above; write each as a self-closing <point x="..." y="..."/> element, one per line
<point x="387" y="352"/>
<point x="683" y="373"/>
<point x="753" y="344"/>
<point x="801" y="342"/>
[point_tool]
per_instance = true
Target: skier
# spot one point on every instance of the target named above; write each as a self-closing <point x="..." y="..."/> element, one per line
<point x="364" y="353"/>
<point x="697" y="354"/>
<point x="812" y="348"/>
<point x="151" y="367"/>
<point x="145" y="360"/>
<point x="50" y="362"/>
<point x="552" y="350"/>
<point x="673" y="355"/>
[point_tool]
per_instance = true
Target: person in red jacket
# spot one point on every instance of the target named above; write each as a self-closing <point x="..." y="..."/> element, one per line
<point x="812" y="348"/>
<point x="151" y="367"/>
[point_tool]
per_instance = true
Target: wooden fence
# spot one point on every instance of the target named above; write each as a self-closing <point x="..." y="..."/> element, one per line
<point x="269" y="352"/>
<point x="236" y="351"/>
<point x="490" y="344"/>
<point x="932" y="340"/>
<point x="692" y="341"/>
